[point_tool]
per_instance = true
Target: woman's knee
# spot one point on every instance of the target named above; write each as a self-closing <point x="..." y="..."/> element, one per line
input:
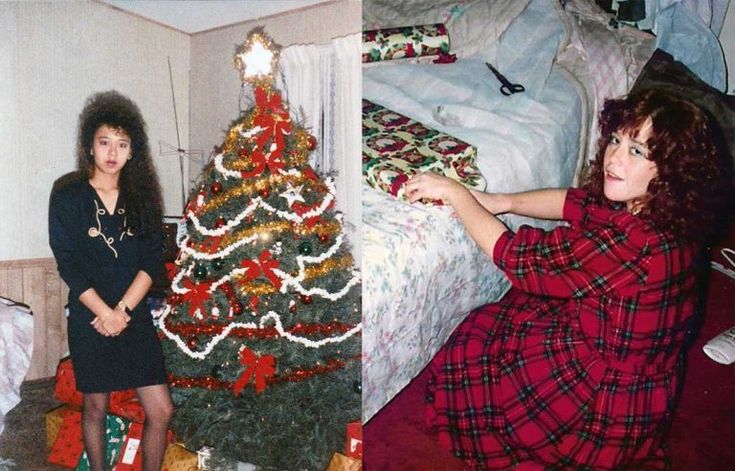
<point x="158" y="407"/>
<point x="95" y="406"/>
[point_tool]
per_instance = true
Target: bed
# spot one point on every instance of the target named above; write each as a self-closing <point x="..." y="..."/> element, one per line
<point x="421" y="271"/>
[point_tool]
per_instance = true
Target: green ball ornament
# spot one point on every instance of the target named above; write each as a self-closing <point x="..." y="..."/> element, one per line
<point x="200" y="272"/>
<point x="357" y="386"/>
<point x="218" y="263"/>
<point x="305" y="248"/>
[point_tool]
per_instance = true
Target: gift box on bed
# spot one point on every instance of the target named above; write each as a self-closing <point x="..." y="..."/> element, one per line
<point x="396" y="147"/>
<point x="405" y="42"/>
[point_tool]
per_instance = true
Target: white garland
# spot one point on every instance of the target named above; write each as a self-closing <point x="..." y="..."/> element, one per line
<point x="212" y="256"/>
<point x="257" y="201"/>
<point x="224" y="170"/>
<point x="202" y="354"/>
<point x="287" y="279"/>
<point x="230" y="224"/>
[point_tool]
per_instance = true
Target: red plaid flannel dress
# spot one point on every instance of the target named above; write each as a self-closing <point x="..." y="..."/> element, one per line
<point x="577" y="367"/>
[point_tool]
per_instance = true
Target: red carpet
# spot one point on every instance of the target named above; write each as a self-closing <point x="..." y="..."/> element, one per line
<point x="702" y="435"/>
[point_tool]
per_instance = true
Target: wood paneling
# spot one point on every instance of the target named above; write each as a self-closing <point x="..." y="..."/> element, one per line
<point x="37" y="284"/>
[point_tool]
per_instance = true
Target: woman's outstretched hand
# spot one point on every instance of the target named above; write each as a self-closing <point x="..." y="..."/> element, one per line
<point x="432" y="186"/>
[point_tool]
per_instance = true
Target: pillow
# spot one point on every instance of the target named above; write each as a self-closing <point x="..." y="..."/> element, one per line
<point x="472" y="24"/>
<point x="664" y="73"/>
<point x="613" y="56"/>
<point x="395" y="147"/>
<point x="405" y="42"/>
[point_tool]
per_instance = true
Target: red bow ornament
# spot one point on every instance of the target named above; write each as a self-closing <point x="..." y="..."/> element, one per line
<point x="197" y="294"/>
<point x="255" y="366"/>
<point x="264" y="265"/>
<point x="258" y="160"/>
<point x="273" y="118"/>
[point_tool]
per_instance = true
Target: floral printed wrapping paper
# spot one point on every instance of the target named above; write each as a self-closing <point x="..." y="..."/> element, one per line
<point x="395" y="147"/>
<point x="405" y="42"/>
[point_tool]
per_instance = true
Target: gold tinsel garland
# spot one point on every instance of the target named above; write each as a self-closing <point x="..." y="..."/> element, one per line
<point x="263" y="288"/>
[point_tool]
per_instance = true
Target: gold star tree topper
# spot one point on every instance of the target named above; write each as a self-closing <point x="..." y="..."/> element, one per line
<point x="257" y="59"/>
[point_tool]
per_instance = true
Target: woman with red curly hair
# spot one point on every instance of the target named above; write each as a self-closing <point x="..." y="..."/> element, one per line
<point x="578" y="366"/>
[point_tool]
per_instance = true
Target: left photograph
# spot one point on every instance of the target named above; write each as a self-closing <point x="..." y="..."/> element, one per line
<point x="180" y="281"/>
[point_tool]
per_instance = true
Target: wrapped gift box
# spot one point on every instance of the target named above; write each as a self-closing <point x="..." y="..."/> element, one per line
<point x="122" y="403"/>
<point x="178" y="458"/>
<point x="340" y="462"/>
<point x="54" y="418"/>
<point x="395" y="147"/>
<point x="116" y="430"/>
<point x="68" y="446"/>
<point x="353" y="446"/>
<point x="405" y="42"/>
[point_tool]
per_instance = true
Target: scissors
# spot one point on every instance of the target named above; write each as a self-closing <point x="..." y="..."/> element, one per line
<point x="506" y="88"/>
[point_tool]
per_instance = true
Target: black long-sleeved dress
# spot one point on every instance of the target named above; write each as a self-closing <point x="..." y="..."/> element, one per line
<point x="96" y="249"/>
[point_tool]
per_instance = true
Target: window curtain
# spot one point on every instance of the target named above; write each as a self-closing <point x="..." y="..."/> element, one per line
<point x="322" y="84"/>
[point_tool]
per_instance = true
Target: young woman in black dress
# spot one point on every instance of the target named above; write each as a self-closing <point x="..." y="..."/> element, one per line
<point x="105" y="232"/>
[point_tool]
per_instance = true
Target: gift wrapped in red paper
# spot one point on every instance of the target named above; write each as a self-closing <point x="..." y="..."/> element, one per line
<point x="68" y="446"/>
<point x="353" y="447"/>
<point x="123" y="403"/>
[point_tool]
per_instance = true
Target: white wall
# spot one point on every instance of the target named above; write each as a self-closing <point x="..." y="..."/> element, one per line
<point x="727" y="38"/>
<point x="53" y="55"/>
<point x="215" y="83"/>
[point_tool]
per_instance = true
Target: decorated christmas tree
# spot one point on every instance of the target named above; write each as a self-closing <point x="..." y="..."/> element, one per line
<point x="261" y="329"/>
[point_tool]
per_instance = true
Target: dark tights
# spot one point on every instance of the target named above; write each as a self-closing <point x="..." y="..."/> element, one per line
<point x="158" y="409"/>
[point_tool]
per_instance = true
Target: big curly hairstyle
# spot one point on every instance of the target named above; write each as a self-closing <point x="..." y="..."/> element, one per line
<point x="691" y="193"/>
<point x="139" y="187"/>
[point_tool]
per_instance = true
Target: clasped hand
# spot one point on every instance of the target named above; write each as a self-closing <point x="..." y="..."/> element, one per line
<point x="112" y="324"/>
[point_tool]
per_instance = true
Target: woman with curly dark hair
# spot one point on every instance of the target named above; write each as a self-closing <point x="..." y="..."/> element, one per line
<point x="105" y="232"/>
<point x="578" y="366"/>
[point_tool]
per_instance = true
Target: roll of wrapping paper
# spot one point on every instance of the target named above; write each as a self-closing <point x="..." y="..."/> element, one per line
<point x="405" y="42"/>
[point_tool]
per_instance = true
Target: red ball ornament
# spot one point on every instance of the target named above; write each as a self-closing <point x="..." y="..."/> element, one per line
<point x="292" y="308"/>
<point x="192" y="343"/>
<point x="311" y="145"/>
<point x="264" y="193"/>
<point x="174" y="299"/>
<point x="306" y="299"/>
<point x="219" y="222"/>
<point x="216" y="187"/>
<point x="190" y="243"/>
<point x="323" y="238"/>
<point x="236" y="308"/>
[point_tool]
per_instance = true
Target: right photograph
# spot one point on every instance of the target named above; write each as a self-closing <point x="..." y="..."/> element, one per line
<point x="547" y="235"/>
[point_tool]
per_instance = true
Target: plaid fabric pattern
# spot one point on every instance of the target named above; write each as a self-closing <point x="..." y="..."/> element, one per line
<point x="578" y="365"/>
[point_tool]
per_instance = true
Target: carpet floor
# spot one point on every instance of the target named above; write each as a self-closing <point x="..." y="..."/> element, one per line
<point x="23" y="441"/>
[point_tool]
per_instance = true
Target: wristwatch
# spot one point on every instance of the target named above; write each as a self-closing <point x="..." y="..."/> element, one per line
<point x="124" y="307"/>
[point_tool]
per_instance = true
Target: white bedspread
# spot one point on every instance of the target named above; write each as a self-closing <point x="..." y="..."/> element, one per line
<point x="16" y="347"/>
<point x="421" y="271"/>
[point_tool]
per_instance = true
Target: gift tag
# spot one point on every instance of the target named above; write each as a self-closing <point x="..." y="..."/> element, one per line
<point x="130" y="457"/>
